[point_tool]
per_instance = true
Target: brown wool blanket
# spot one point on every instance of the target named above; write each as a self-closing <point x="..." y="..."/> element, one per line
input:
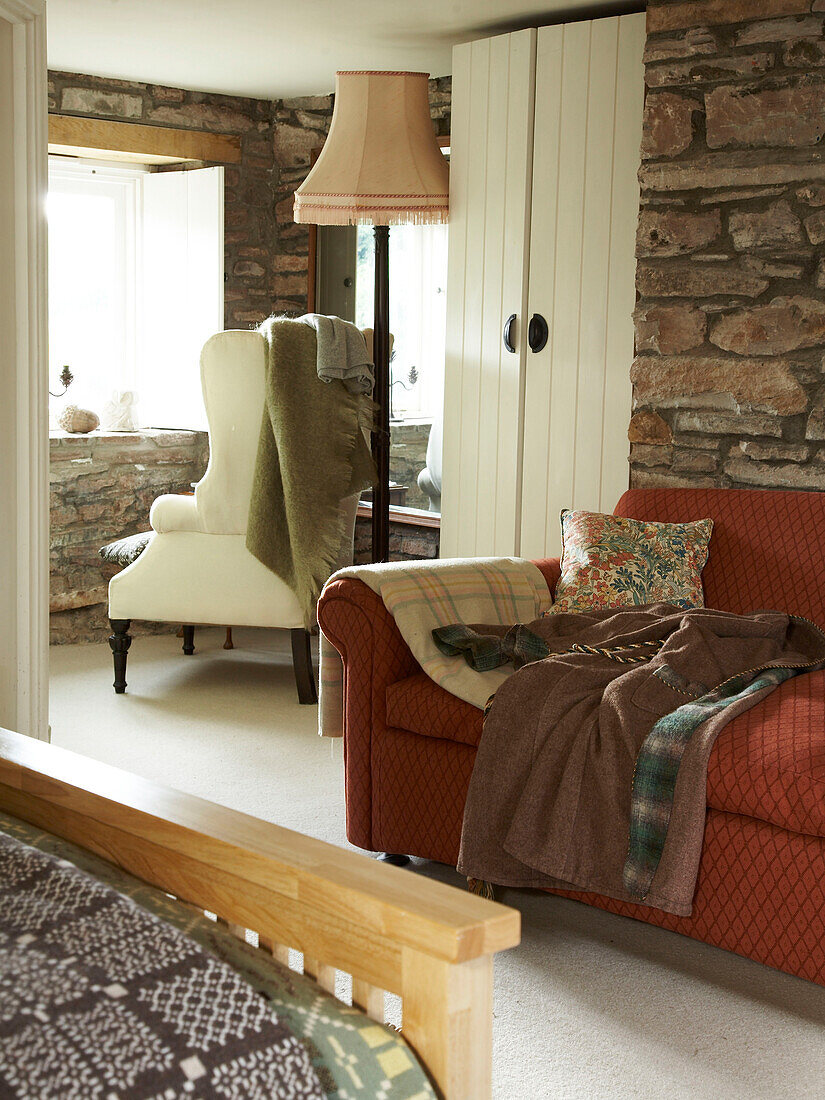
<point x="592" y="768"/>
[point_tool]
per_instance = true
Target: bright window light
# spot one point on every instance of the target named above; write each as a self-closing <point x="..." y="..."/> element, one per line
<point x="418" y="312"/>
<point x="135" y="285"/>
<point x="92" y="279"/>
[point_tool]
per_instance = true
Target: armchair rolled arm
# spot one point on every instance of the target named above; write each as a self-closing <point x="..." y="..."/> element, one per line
<point x="175" y="513"/>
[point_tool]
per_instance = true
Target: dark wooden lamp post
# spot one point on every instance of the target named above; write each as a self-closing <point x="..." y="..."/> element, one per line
<point x="381" y="166"/>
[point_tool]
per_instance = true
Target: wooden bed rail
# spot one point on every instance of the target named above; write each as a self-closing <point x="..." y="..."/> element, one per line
<point x="389" y="928"/>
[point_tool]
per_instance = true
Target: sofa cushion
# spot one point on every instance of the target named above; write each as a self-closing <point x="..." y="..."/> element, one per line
<point x="769" y="763"/>
<point x="419" y="705"/>
<point x="612" y="561"/>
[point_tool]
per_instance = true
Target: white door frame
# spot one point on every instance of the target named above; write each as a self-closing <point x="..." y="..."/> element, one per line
<point x="24" y="604"/>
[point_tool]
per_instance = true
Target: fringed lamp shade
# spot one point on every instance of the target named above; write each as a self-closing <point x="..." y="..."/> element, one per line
<point x="381" y="164"/>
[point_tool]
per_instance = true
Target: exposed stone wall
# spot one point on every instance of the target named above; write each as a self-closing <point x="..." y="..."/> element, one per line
<point x="408" y="457"/>
<point x="300" y="127"/>
<point x="408" y="541"/>
<point x="730" y="326"/>
<point x="102" y="487"/>
<point x="249" y="233"/>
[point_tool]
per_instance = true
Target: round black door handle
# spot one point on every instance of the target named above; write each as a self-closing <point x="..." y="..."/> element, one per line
<point x="537" y="333"/>
<point x="508" y="334"/>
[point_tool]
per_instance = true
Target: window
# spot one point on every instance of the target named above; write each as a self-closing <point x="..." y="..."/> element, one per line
<point x="418" y="313"/>
<point x="135" y="284"/>
<point x="93" y="214"/>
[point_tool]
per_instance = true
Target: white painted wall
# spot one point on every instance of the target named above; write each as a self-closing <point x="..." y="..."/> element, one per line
<point x="546" y="133"/>
<point x="23" y="370"/>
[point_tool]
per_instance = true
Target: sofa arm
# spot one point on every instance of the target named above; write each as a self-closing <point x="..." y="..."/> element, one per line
<point x="354" y="619"/>
<point x="375" y="656"/>
<point x="551" y="571"/>
<point x="175" y="513"/>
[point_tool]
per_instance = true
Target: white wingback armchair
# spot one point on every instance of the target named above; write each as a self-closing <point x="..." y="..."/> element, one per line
<point x="196" y="568"/>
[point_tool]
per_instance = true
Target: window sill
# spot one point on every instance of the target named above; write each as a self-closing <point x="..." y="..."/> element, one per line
<point x="172" y="435"/>
<point x="405" y="517"/>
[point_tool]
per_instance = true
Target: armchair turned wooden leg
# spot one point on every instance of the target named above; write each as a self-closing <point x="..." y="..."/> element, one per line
<point x="188" y="640"/>
<point x="302" y="666"/>
<point x="119" y="643"/>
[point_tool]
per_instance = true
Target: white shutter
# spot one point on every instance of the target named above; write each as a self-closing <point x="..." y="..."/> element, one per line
<point x="490" y="160"/>
<point x="181" y="300"/>
<point x="589" y="104"/>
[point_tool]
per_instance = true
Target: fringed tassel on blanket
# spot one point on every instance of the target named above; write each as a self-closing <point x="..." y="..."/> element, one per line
<point x="482" y="888"/>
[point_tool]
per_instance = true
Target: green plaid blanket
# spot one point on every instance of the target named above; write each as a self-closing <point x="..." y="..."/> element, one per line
<point x="657" y="769"/>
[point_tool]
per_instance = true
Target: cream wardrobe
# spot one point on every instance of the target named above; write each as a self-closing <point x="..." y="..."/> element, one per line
<point x="546" y="131"/>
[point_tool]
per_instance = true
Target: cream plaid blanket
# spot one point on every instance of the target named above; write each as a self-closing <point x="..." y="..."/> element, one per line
<point x="423" y="595"/>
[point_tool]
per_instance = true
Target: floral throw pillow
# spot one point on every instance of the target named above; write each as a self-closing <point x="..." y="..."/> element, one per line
<point x="609" y="561"/>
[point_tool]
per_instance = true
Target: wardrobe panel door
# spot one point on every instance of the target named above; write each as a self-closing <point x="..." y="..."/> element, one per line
<point x="589" y="100"/>
<point x="491" y="153"/>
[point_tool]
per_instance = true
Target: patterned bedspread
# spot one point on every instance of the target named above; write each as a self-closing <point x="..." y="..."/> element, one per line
<point x="99" y="998"/>
<point x="352" y="1056"/>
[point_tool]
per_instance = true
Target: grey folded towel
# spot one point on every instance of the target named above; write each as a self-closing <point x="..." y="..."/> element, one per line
<point x="342" y="352"/>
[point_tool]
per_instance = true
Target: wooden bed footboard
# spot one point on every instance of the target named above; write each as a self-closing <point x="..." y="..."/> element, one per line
<point x="389" y="928"/>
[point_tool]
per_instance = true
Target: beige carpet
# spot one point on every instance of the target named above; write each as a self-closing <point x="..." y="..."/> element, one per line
<point x="589" y="1006"/>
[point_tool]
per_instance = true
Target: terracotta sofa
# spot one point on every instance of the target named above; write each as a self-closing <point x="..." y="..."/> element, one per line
<point x="409" y="746"/>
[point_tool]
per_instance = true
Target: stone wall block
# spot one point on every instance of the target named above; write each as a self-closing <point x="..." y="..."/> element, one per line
<point x="90" y="101"/>
<point x="717" y="424"/>
<point x="203" y="116"/>
<point x="676" y="73"/>
<point x="774" y="269"/>
<point x="671" y="15"/>
<point x="779" y="30"/>
<point x="815" y="227"/>
<point x="775" y="452"/>
<point x="697" y="281"/>
<point x="674" y="232"/>
<point x="804" y="53"/>
<point x="294" y="145"/>
<point x="657" y="478"/>
<point x="812" y="195"/>
<point x="783" y="325"/>
<point x="161" y="94"/>
<point x="771" y="475"/>
<point x="644" y="454"/>
<point x="739" y="168"/>
<point x="667" y="126"/>
<point x="691" y="461"/>
<point x="648" y="427"/>
<point x="695" y="42"/>
<point x="815" y="427"/>
<point x="764" y="385"/>
<point x="774" y="229"/>
<point x="792" y="115"/>
<point x="669" y="329"/>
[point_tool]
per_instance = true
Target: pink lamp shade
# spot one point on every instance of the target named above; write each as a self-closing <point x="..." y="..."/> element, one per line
<point x="381" y="164"/>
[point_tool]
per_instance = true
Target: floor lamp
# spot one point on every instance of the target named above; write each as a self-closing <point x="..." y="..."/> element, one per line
<point x="381" y="165"/>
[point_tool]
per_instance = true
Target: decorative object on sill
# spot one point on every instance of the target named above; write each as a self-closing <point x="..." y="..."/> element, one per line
<point x="381" y="165"/>
<point x="77" y="421"/>
<point x="397" y="494"/>
<point x="429" y="480"/>
<point x="66" y="379"/>
<point x="120" y="414"/>
<point x="412" y="378"/>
